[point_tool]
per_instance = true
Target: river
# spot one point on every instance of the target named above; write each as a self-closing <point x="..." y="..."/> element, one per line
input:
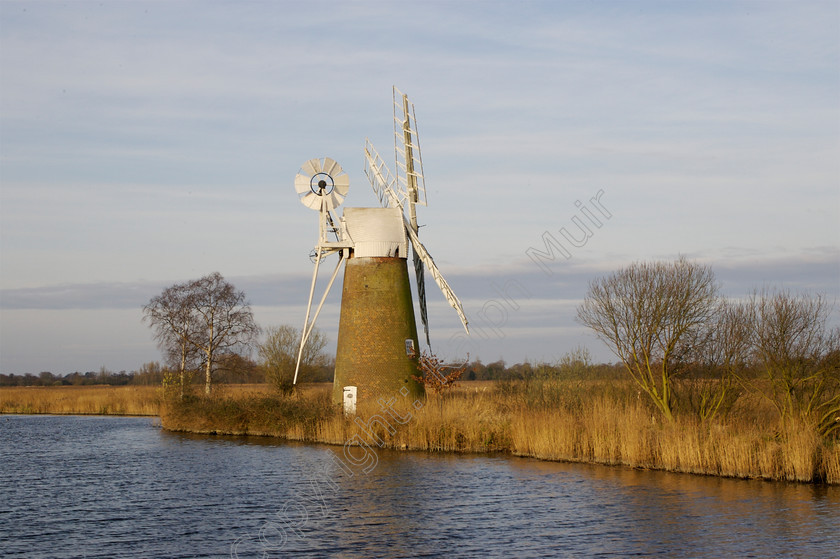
<point x="112" y="487"/>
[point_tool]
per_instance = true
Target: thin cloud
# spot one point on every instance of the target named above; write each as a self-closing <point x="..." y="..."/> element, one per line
<point x="525" y="283"/>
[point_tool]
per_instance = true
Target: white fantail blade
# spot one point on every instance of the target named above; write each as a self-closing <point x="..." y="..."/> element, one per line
<point x="311" y="167"/>
<point x="331" y="167"/>
<point x="302" y="183"/>
<point x="342" y="184"/>
<point x="311" y="201"/>
<point x="450" y="296"/>
<point x="320" y="180"/>
<point x="334" y="199"/>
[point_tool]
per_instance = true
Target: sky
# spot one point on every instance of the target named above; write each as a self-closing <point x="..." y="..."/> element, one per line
<point x="148" y="143"/>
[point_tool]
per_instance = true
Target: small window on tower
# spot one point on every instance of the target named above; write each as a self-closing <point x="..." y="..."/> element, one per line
<point x="409" y="348"/>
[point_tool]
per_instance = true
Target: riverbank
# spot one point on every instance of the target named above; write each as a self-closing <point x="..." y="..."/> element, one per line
<point x="575" y="421"/>
<point x="604" y="422"/>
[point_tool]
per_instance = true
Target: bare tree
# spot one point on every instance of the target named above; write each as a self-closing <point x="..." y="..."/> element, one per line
<point x="169" y="315"/>
<point x="233" y="368"/>
<point x="279" y="355"/>
<point x="574" y="364"/>
<point x="798" y="356"/>
<point x="207" y="317"/>
<point x="644" y="312"/>
<point x="224" y="320"/>
<point x="717" y="353"/>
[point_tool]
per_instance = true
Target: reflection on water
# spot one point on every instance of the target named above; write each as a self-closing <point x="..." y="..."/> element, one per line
<point x="120" y="487"/>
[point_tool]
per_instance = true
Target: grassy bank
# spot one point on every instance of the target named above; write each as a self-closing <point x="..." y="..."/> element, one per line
<point x="600" y="422"/>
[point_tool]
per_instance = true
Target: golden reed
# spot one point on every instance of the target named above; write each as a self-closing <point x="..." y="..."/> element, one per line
<point x="599" y="422"/>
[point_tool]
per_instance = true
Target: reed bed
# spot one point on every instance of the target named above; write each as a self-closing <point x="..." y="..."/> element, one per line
<point x="81" y="400"/>
<point x="597" y="422"/>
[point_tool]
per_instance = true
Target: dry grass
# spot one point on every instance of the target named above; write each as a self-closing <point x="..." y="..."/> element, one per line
<point x="612" y="431"/>
<point x="599" y="421"/>
<point x="81" y="400"/>
<point x="831" y="463"/>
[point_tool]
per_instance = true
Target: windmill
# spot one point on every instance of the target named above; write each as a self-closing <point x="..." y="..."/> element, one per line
<point x="377" y="335"/>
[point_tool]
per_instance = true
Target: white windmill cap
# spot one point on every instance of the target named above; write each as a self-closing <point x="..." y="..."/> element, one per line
<point x="376" y="232"/>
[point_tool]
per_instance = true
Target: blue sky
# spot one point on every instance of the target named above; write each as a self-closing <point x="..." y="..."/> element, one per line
<point x="144" y="143"/>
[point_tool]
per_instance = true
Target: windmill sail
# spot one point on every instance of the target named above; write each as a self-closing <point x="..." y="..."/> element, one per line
<point x="404" y="191"/>
<point x="379" y="176"/>
<point x="421" y="293"/>
<point x="450" y="296"/>
<point x="409" y="161"/>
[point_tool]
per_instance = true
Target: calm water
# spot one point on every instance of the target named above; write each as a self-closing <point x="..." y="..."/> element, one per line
<point x="108" y="487"/>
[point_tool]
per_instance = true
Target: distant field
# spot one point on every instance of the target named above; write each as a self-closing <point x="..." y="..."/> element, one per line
<point x="110" y="400"/>
<point x="81" y="400"/>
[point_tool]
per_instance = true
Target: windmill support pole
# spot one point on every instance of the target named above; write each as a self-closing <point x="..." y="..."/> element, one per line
<point x="324" y="298"/>
<point x="303" y="335"/>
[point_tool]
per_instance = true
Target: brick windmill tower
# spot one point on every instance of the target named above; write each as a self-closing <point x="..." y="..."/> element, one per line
<point x="377" y="333"/>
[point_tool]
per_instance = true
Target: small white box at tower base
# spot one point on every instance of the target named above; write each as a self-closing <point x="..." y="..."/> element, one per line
<point x="349" y="400"/>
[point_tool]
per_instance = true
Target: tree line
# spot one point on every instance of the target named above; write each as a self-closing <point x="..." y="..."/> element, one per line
<point x="274" y="361"/>
<point x="46" y="378"/>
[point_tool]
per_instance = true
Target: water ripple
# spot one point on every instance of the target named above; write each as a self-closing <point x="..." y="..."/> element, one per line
<point x="90" y="487"/>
